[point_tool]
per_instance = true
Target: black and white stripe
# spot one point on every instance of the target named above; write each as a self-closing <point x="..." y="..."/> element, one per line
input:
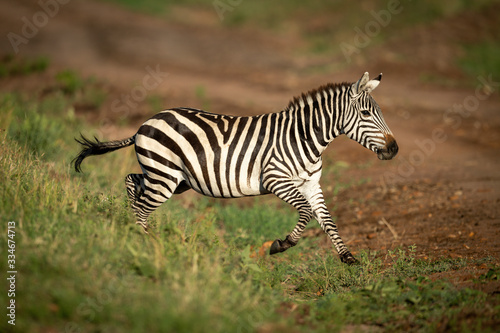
<point x="227" y="157"/>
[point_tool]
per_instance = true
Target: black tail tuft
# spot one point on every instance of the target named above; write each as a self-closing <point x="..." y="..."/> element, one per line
<point x="97" y="147"/>
<point x="89" y="149"/>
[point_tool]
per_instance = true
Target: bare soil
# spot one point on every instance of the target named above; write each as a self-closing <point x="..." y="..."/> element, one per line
<point x="442" y="193"/>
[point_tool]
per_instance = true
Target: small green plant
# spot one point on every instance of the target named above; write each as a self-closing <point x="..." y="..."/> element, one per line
<point x="480" y="59"/>
<point x="201" y="95"/>
<point x="84" y="92"/>
<point x="403" y="262"/>
<point x="70" y="82"/>
<point x="155" y="103"/>
<point x="493" y="274"/>
<point x="11" y="65"/>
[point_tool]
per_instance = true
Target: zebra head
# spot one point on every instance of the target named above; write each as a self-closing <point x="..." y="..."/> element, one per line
<point x="363" y="120"/>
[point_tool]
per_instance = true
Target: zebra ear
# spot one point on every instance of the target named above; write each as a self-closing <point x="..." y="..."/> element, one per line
<point x="359" y="86"/>
<point x="372" y="84"/>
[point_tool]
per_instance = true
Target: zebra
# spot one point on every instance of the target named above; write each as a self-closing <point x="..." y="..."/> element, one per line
<point x="231" y="156"/>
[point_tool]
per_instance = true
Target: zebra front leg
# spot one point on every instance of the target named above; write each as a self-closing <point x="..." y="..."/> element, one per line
<point x="293" y="238"/>
<point x="290" y="194"/>
<point x="281" y="245"/>
<point x="324" y="218"/>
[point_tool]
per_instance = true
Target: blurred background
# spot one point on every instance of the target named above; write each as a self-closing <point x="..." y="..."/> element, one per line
<point x="239" y="56"/>
<point x="103" y="67"/>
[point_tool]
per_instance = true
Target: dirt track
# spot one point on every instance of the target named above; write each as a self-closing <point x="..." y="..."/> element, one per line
<point x="443" y="191"/>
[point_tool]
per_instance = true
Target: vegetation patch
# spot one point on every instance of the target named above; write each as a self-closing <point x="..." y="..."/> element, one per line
<point x="481" y="59"/>
<point x="12" y="66"/>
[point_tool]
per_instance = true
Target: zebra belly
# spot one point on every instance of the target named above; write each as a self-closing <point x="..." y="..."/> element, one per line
<point x="223" y="177"/>
<point x="234" y="193"/>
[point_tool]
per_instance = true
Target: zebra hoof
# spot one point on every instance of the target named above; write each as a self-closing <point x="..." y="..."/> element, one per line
<point x="277" y="247"/>
<point x="280" y="246"/>
<point x="348" y="258"/>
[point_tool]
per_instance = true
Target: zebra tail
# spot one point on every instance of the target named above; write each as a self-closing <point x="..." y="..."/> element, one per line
<point x="97" y="147"/>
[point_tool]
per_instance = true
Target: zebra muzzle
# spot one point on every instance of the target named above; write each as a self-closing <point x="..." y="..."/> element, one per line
<point x="390" y="150"/>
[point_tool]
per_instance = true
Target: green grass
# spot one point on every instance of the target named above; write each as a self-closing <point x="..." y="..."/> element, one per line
<point x="11" y="65"/>
<point x="322" y="24"/>
<point x="83" y="265"/>
<point x="84" y="92"/>
<point x="481" y="59"/>
<point x="281" y="13"/>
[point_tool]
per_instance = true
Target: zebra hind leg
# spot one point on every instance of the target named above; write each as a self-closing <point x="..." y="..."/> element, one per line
<point x="135" y="186"/>
<point x="135" y="189"/>
<point x="144" y="199"/>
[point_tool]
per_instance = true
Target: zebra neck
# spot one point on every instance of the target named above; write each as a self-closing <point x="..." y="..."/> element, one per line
<point x="315" y="117"/>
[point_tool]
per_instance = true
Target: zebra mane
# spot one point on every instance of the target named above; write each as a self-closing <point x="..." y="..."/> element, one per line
<point x="304" y="97"/>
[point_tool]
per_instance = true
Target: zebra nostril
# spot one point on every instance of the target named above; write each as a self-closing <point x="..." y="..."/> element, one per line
<point x="389" y="150"/>
<point x="393" y="147"/>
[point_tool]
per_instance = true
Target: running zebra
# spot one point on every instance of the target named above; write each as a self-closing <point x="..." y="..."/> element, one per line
<point x="227" y="157"/>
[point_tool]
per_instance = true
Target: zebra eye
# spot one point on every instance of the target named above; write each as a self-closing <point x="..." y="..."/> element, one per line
<point x="365" y="113"/>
